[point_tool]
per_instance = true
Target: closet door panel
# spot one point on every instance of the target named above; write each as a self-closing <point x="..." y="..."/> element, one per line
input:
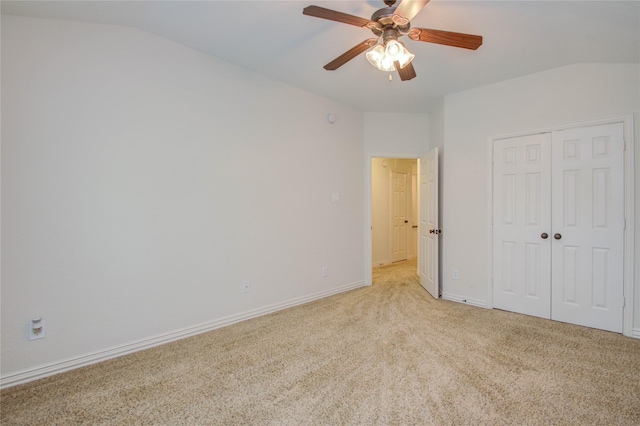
<point x="588" y="226"/>
<point x="521" y="215"/>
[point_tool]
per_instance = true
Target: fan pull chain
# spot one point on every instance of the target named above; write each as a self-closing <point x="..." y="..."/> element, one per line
<point x="390" y="77"/>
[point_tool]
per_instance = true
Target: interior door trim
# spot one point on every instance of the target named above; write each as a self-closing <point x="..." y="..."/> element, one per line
<point x="368" y="261"/>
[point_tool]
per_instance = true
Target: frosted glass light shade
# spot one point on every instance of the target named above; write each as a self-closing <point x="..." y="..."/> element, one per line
<point x="406" y="57"/>
<point x="384" y="56"/>
<point x="376" y="55"/>
<point x="394" y="50"/>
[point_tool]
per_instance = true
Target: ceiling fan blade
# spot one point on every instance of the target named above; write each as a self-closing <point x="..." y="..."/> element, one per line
<point x="465" y="41"/>
<point x="406" y="73"/>
<point x="350" y="54"/>
<point x="332" y="15"/>
<point x="407" y="10"/>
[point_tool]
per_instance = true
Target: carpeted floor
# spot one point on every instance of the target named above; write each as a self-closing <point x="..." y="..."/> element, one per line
<point x="385" y="354"/>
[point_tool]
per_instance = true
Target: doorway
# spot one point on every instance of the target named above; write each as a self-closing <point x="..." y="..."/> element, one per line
<point x="404" y="194"/>
<point x="394" y="210"/>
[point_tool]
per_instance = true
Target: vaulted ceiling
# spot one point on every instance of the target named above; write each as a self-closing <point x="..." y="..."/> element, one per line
<point x="275" y="39"/>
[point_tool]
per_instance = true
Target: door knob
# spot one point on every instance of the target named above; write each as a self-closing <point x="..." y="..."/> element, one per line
<point x="431" y="231"/>
<point x="544" y="236"/>
<point x="406" y="221"/>
<point x="557" y="236"/>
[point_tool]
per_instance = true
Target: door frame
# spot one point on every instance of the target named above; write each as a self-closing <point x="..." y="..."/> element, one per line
<point x="368" y="243"/>
<point x="629" y="209"/>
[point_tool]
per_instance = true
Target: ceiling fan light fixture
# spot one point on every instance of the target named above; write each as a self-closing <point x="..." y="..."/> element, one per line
<point x="388" y="24"/>
<point x="384" y="56"/>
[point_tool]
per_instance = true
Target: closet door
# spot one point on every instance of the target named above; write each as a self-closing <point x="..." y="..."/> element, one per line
<point x="588" y="226"/>
<point x="522" y="225"/>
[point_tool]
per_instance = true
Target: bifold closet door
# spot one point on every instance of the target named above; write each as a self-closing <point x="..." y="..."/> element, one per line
<point x="558" y="225"/>
<point x="522" y="224"/>
<point x="587" y="239"/>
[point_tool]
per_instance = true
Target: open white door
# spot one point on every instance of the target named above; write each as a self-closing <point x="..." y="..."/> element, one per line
<point x="428" y="224"/>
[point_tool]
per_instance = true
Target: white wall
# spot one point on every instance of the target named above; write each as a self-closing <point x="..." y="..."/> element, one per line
<point x="143" y="181"/>
<point x="436" y="126"/>
<point x="567" y="95"/>
<point x="380" y="217"/>
<point x="395" y="135"/>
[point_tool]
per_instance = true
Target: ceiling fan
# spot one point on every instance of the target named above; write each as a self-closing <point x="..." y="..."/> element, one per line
<point x="388" y="24"/>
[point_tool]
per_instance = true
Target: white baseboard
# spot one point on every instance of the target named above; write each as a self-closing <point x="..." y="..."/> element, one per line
<point x="389" y="262"/>
<point x="635" y="333"/>
<point x="43" y="371"/>
<point x="465" y="300"/>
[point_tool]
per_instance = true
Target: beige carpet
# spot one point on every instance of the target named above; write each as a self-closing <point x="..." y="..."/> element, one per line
<point x="386" y="354"/>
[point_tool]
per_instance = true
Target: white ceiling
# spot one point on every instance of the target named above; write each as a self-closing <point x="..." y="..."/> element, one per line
<point x="274" y="38"/>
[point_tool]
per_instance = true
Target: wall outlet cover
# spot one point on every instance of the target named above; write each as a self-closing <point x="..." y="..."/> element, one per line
<point x="36" y="330"/>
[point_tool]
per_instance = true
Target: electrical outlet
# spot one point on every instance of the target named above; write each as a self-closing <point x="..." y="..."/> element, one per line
<point x="246" y="286"/>
<point x="325" y="271"/>
<point x="454" y="274"/>
<point x="36" y="329"/>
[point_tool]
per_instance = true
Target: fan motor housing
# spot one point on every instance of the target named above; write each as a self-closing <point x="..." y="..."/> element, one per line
<point x="384" y="17"/>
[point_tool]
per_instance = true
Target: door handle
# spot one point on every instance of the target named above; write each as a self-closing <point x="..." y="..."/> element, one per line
<point x="406" y="221"/>
<point x="431" y="231"/>
<point x="544" y="236"/>
<point x="557" y="236"/>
